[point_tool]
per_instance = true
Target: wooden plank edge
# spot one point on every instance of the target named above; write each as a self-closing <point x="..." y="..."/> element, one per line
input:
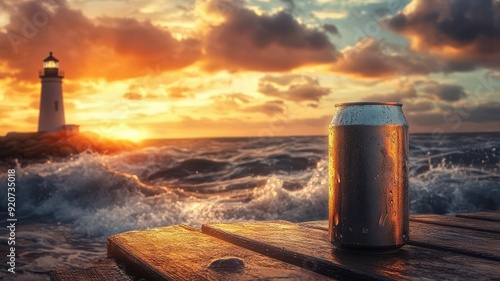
<point x="454" y="225"/>
<point x="311" y="263"/>
<point x="470" y="253"/>
<point x="479" y="216"/>
<point x="133" y="265"/>
<point x="312" y="225"/>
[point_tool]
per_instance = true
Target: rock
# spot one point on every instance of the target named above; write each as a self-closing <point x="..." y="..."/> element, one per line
<point x="31" y="142"/>
<point x="56" y="144"/>
<point x="228" y="264"/>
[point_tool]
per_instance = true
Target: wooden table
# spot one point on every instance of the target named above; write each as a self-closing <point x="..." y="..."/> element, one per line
<point x="461" y="247"/>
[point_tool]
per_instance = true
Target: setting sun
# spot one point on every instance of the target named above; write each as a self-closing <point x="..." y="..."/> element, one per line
<point x="123" y="132"/>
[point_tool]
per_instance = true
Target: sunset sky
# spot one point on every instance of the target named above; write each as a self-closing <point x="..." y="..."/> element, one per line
<point x="208" y="68"/>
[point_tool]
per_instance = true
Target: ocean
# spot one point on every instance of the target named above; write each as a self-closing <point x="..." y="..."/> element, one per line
<point x="66" y="208"/>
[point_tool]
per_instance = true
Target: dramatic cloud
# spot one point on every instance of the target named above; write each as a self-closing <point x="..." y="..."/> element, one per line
<point x="269" y="108"/>
<point x="486" y="112"/>
<point x="330" y="28"/>
<point x="465" y="32"/>
<point x="419" y="95"/>
<point x="121" y="48"/>
<point x="277" y="42"/>
<point x="296" y="88"/>
<point x="445" y="92"/>
<point x="371" y="58"/>
<point x="233" y="102"/>
<point x="461" y="117"/>
<point x="109" y="48"/>
<point x="423" y="88"/>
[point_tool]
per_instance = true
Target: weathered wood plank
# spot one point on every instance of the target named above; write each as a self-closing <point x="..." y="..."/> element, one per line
<point x="179" y="253"/>
<point x="487" y="226"/>
<point x="463" y="241"/>
<point x="297" y="244"/>
<point x="104" y="270"/>
<point x="487" y="216"/>
<point x="321" y="225"/>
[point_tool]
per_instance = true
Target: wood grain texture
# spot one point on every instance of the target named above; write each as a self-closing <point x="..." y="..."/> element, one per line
<point x="99" y="271"/>
<point x="480" y="216"/>
<point x="179" y="253"/>
<point x="486" y="226"/>
<point x="462" y="241"/>
<point x="298" y="244"/>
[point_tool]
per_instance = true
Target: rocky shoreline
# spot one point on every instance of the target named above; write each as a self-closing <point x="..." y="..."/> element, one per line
<point x="43" y="146"/>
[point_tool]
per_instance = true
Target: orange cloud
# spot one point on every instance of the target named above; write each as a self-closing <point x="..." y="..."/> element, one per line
<point x="371" y="58"/>
<point x="467" y="33"/>
<point x="296" y="88"/>
<point x="107" y="48"/>
<point x="276" y="42"/>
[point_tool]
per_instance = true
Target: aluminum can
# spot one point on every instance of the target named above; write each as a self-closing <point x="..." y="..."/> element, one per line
<point x="368" y="177"/>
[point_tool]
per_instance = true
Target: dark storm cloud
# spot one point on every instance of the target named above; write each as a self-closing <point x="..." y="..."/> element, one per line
<point x="423" y="95"/>
<point x="456" y="117"/>
<point x="488" y="112"/>
<point x="330" y="28"/>
<point x="371" y="58"/>
<point x="90" y="48"/>
<point x="277" y="42"/>
<point x="446" y="92"/>
<point x="464" y="31"/>
<point x="299" y="88"/>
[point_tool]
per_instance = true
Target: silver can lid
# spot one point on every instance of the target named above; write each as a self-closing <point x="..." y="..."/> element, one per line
<point x="368" y="103"/>
<point x="368" y="113"/>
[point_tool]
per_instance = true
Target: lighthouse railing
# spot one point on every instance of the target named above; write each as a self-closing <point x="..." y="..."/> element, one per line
<point x="51" y="72"/>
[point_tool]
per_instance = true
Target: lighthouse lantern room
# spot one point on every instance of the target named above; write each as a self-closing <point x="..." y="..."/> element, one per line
<point x="51" y="116"/>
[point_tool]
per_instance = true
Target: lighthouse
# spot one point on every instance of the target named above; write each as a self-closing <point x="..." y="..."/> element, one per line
<point x="51" y="116"/>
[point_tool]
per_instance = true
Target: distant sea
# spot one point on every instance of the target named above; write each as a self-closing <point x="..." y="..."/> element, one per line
<point x="66" y="208"/>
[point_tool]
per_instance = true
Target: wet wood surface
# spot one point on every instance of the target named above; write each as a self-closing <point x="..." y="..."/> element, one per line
<point x="463" y="241"/>
<point x="303" y="245"/>
<point x="460" y="222"/>
<point x="180" y="253"/>
<point x="481" y="216"/>
<point x="462" y="247"/>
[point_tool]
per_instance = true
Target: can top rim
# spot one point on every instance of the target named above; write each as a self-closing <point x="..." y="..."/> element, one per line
<point x="368" y="103"/>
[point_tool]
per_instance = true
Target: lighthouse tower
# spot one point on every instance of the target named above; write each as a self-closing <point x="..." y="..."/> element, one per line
<point x="51" y="116"/>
